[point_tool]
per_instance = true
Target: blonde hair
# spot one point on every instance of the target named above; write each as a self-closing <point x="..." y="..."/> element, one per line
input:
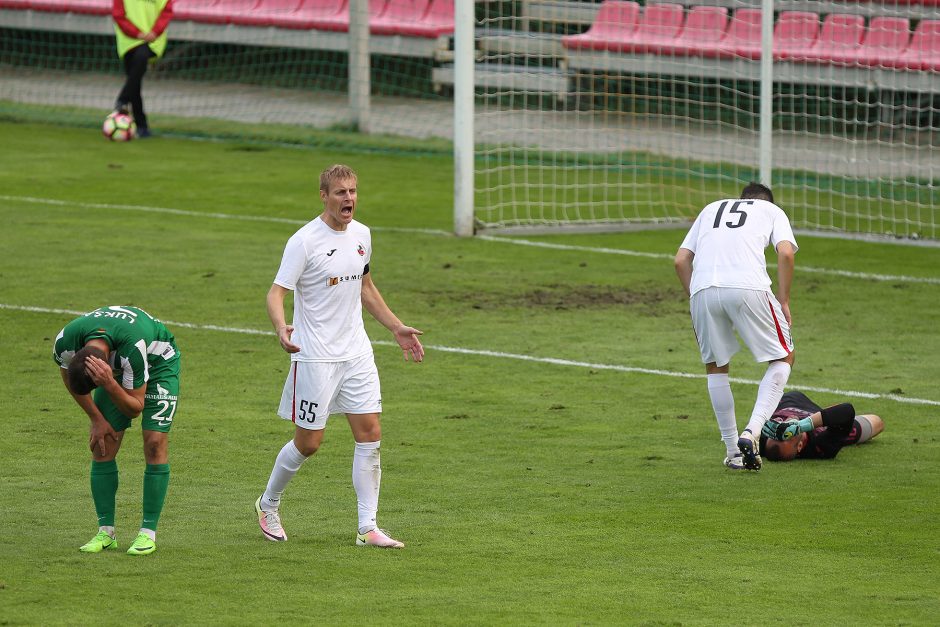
<point x="335" y="173"/>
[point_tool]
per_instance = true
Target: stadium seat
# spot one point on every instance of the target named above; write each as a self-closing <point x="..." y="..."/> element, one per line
<point x="615" y="22"/>
<point x="398" y="15"/>
<point x="839" y="39"/>
<point x="265" y="11"/>
<point x="212" y="11"/>
<point x="923" y="53"/>
<point x="659" y="26"/>
<point x="88" y="7"/>
<point x="15" y="4"/>
<point x="703" y="31"/>
<point x="440" y="16"/>
<point x="884" y="42"/>
<point x="415" y="18"/>
<point x="743" y="36"/>
<point x="332" y="15"/>
<point x="794" y="35"/>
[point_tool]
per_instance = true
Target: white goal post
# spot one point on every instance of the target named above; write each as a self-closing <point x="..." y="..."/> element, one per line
<point x="552" y="133"/>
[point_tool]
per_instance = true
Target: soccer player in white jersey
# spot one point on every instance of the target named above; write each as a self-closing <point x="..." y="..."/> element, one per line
<point x="721" y="266"/>
<point x="326" y="265"/>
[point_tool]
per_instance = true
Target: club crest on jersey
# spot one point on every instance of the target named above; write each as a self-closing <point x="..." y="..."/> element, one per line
<point x="361" y="251"/>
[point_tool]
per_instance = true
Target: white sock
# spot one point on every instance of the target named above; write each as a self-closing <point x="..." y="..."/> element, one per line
<point x="286" y="465"/>
<point x="719" y="390"/>
<point x="367" y="476"/>
<point x="768" y="395"/>
<point x="150" y="533"/>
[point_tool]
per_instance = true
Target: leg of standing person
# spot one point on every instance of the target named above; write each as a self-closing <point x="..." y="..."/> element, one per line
<point x="135" y="66"/>
<point x="367" y="479"/>
<point x="714" y="333"/>
<point x="104" y="485"/>
<point x="765" y="330"/>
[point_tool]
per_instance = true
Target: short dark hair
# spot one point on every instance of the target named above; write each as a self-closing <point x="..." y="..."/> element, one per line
<point x="79" y="381"/>
<point x="757" y="191"/>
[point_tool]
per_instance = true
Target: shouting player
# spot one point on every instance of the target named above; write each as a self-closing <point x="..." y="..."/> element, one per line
<point x="326" y="265"/>
<point x="131" y="362"/>
<point x="722" y="268"/>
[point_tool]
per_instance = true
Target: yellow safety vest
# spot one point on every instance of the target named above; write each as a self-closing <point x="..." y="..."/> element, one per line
<point x="143" y="14"/>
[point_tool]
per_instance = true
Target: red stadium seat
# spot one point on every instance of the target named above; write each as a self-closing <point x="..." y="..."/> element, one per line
<point x="440" y="17"/>
<point x="885" y="41"/>
<point x="794" y="34"/>
<point x="332" y="15"/>
<point x="399" y="15"/>
<point x="743" y="36"/>
<point x="15" y="4"/>
<point x="839" y="39"/>
<point x="615" y="22"/>
<point x="415" y="18"/>
<point x="265" y="12"/>
<point x="923" y="53"/>
<point x="659" y="27"/>
<point x="703" y="31"/>
<point x="88" y="7"/>
<point x="212" y="11"/>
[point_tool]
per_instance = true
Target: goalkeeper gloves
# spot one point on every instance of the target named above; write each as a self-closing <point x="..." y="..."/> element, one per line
<point x="787" y="429"/>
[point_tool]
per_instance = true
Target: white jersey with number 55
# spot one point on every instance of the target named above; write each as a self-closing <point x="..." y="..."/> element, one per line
<point x="728" y="239"/>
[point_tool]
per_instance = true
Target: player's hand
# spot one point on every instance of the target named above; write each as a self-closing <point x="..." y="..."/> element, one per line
<point x="781" y="430"/>
<point x="786" y="313"/>
<point x="407" y="338"/>
<point x="100" y="371"/>
<point x="283" y="336"/>
<point x="101" y="432"/>
<point x="149" y="37"/>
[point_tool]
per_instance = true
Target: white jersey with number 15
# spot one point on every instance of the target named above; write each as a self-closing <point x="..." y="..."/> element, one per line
<point x="728" y="239"/>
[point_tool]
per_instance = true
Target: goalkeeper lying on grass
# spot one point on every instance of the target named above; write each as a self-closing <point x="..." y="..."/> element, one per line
<point x="800" y="428"/>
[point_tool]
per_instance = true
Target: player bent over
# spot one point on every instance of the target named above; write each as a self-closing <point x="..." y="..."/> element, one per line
<point x="800" y="428"/>
<point x="326" y="265"/>
<point x="722" y="268"/>
<point x="131" y="362"/>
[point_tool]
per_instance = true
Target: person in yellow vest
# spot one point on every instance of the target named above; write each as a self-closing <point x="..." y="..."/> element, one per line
<point x="140" y="28"/>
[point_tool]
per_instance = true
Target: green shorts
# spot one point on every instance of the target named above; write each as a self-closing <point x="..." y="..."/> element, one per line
<point x="160" y="402"/>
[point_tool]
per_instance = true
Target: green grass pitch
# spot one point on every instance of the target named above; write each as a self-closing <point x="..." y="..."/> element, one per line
<point x="527" y="492"/>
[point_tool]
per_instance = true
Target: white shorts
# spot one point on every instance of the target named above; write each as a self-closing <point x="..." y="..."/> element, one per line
<point x="314" y="390"/>
<point x="717" y="312"/>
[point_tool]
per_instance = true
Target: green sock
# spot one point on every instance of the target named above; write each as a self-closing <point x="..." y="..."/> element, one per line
<point x="104" y="485"/>
<point x="156" y="480"/>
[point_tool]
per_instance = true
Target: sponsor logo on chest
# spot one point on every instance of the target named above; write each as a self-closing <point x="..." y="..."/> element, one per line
<point x="344" y="278"/>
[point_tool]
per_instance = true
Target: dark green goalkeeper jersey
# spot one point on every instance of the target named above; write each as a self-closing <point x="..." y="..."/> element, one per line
<point x="141" y="347"/>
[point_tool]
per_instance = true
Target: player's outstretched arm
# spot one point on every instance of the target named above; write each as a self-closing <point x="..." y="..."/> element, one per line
<point x="407" y="337"/>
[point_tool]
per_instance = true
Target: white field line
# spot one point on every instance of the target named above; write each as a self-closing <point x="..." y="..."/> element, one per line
<point x="490" y="238"/>
<point x="531" y="358"/>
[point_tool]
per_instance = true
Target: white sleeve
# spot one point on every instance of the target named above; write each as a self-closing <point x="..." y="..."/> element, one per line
<point x="782" y="231"/>
<point x="292" y="264"/>
<point x="691" y="238"/>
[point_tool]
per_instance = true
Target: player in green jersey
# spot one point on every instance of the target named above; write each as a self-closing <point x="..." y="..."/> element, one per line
<point x="130" y="362"/>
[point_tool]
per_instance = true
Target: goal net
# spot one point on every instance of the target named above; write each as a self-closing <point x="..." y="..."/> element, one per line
<point x="611" y="114"/>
